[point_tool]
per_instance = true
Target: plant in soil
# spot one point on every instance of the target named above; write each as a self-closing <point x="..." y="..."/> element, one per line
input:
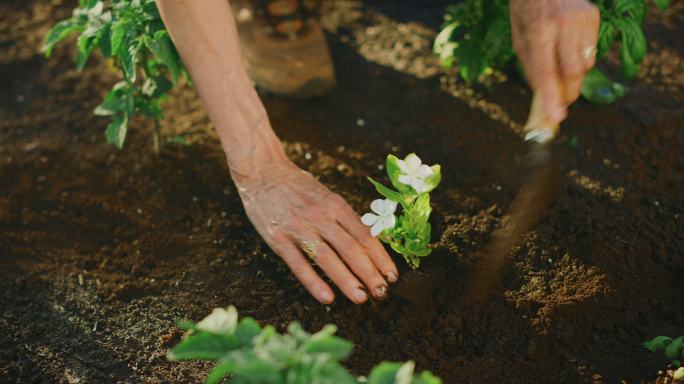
<point x="129" y="33"/>
<point x="247" y="353"/>
<point x="477" y="37"/>
<point x="409" y="234"/>
<point x="672" y="348"/>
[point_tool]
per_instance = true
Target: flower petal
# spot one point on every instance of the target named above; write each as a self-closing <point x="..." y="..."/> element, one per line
<point x="405" y="179"/>
<point x="402" y="166"/>
<point x="388" y="221"/>
<point x="413" y="161"/>
<point x="377" y="229"/>
<point x="418" y="185"/>
<point x="377" y="206"/>
<point x="390" y="207"/>
<point x="424" y="171"/>
<point x="369" y="219"/>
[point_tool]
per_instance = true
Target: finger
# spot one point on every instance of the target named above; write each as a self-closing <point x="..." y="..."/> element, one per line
<point x="303" y="271"/>
<point x="356" y="258"/>
<point x="338" y="272"/>
<point x="571" y="60"/>
<point x="543" y="70"/>
<point x="360" y="232"/>
<point x="590" y="32"/>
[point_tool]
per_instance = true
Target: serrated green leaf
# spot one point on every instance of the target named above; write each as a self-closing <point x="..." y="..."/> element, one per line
<point x="104" y="40"/>
<point x="119" y="35"/>
<point x="84" y="47"/>
<point x="58" y="33"/>
<point x="203" y="346"/>
<point x="116" y="130"/>
<point x="163" y="49"/>
<point x="598" y="88"/>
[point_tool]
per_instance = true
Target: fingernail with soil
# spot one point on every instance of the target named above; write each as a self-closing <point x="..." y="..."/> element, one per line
<point x="391" y="277"/>
<point x="360" y="295"/>
<point x="381" y="292"/>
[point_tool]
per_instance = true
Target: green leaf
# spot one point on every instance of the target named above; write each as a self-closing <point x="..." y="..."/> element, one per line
<point x="58" y="33"/>
<point x="116" y="130"/>
<point x="84" y="47"/>
<point x="659" y="342"/>
<point x="118" y="36"/>
<point x="162" y="47"/>
<point x="444" y="46"/>
<point x="186" y="325"/>
<point x="156" y="86"/>
<point x="386" y="192"/>
<point x="219" y="372"/>
<point x="470" y="60"/>
<point x="607" y="35"/>
<point x="598" y="88"/>
<point x="333" y="345"/>
<point x="149" y="108"/>
<point x="203" y="346"/>
<point x="672" y="350"/>
<point x="247" y="330"/>
<point x="384" y="373"/>
<point x="119" y="100"/>
<point x="127" y="62"/>
<point x="426" y="377"/>
<point x="431" y="182"/>
<point x="633" y="37"/>
<point x="662" y="4"/>
<point x="629" y="67"/>
<point x="104" y="40"/>
<point x="257" y="371"/>
<point x="634" y="8"/>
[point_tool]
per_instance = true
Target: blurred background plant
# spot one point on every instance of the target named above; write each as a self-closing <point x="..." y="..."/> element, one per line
<point x="131" y="34"/>
<point x="476" y="37"/>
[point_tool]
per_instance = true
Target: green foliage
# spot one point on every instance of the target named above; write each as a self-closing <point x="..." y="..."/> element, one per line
<point x="673" y="349"/>
<point x="477" y="37"/>
<point x="131" y="34"/>
<point x="411" y="234"/>
<point x="247" y="353"/>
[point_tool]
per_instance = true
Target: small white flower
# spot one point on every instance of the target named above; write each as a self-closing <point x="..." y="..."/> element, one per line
<point x="220" y="320"/>
<point x="414" y="172"/>
<point x="679" y="374"/>
<point x="383" y="218"/>
<point x="405" y="374"/>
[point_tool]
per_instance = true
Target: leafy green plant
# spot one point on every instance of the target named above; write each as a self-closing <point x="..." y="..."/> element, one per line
<point x="132" y="35"/>
<point x="408" y="235"/>
<point x="247" y="353"/>
<point x="477" y="36"/>
<point x="673" y="349"/>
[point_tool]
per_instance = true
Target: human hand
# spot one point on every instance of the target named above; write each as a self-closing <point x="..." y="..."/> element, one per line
<point x="555" y="41"/>
<point x="289" y="207"/>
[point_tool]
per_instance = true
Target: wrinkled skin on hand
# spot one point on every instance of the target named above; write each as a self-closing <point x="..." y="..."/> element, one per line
<point x="549" y="37"/>
<point x="288" y="206"/>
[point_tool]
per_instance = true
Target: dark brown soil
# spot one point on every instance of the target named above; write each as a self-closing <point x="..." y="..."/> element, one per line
<point x="100" y="250"/>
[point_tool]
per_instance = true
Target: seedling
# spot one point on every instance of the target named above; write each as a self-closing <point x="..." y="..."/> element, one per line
<point x="247" y="353"/>
<point x="408" y="235"/>
<point x="477" y="36"/>
<point x="131" y="34"/>
<point x="673" y="349"/>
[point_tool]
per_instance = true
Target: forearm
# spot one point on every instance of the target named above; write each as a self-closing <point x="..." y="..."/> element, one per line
<point x="205" y="35"/>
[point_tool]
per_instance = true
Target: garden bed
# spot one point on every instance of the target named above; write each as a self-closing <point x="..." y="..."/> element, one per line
<point x="101" y="250"/>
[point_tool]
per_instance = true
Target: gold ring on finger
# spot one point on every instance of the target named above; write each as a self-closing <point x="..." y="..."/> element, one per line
<point x="310" y="247"/>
